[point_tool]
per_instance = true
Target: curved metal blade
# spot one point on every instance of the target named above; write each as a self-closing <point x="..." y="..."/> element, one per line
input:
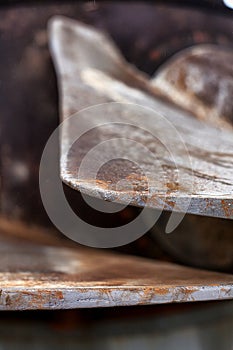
<point x="189" y="164"/>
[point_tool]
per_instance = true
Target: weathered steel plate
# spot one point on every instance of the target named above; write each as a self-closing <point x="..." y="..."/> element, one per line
<point x="196" y="79"/>
<point x="90" y="72"/>
<point x="36" y="276"/>
<point x="29" y="101"/>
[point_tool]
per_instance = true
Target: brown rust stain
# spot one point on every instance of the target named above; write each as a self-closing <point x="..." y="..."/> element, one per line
<point x="161" y="291"/>
<point x="188" y="291"/>
<point x="102" y="184"/>
<point x="173" y="186"/>
<point x="228" y="209"/>
<point x="39" y="299"/>
<point x="59" y="295"/>
<point x="118" y="277"/>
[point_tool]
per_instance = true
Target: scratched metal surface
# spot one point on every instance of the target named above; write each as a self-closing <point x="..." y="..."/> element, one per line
<point x="91" y="71"/>
<point x="37" y="276"/>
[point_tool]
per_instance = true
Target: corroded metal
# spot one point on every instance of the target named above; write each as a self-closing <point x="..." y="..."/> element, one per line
<point x="36" y="276"/>
<point x="91" y="71"/>
<point x="197" y="79"/>
<point x="28" y="101"/>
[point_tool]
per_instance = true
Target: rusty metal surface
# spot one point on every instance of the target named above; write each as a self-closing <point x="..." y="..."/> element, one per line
<point x="44" y="277"/>
<point x="197" y="79"/>
<point x="28" y="86"/>
<point x="91" y="71"/>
